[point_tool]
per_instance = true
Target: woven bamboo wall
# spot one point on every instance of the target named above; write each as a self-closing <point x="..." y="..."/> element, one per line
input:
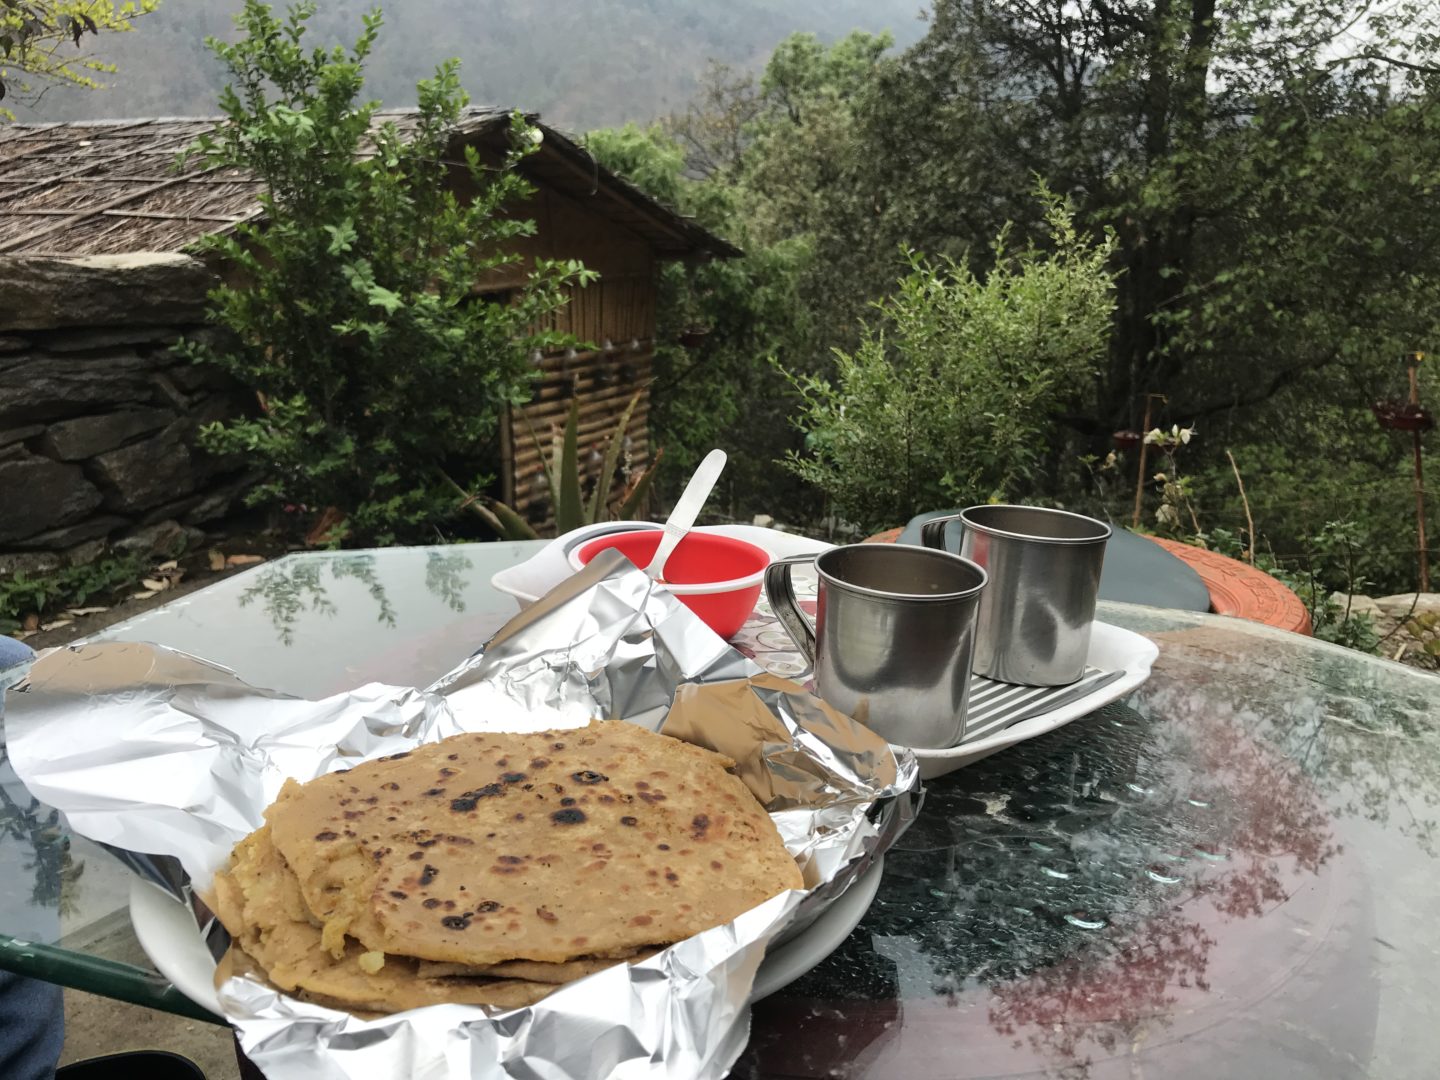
<point x="619" y="309"/>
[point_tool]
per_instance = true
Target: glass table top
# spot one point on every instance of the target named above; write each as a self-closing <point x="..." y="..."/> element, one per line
<point x="1231" y="872"/>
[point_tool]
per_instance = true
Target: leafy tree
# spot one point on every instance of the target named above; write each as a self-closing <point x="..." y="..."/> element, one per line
<point x="721" y="393"/>
<point x="1268" y="172"/>
<point x="751" y="159"/>
<point x="381" y="371"/>
<point x="36" y="37"/>
<point x="949" y="397"/>
<point x="1230" y="145"/>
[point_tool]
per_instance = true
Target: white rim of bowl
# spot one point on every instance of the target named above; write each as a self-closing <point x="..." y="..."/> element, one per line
<point x="703" y="589"/>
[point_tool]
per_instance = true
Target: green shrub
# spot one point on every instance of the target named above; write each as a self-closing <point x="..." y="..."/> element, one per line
<point x="1331" y="568"/>
<point x="45" y="594"/>
<point x="380" y="371"/>
<point x="950" y="398"/>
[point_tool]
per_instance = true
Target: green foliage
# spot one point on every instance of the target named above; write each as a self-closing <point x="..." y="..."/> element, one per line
<point x="752" y="160"/>
<point x="950" y="397"/>
<point x="356" y="319"/>
<point x="43" y="594"/>
<point x="1425" y="630"/>
<point x="646" y="156"/>
<point x="722" y="393"/>
<point x="1264" y="177"/>
<point x="572" y="508"/>
<point x="40" y="42"/>
<point x="1315" y="454"/>
<point x="1267" y="174"/>
<point x="1330" y="567"/>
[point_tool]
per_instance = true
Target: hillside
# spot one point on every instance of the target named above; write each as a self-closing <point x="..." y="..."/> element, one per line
<point x="582" y="65"/>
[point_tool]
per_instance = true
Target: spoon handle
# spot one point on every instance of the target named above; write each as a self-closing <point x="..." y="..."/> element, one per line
<point x="692" y="500"/>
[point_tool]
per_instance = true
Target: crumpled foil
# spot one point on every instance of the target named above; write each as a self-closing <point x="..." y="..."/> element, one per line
<point x="170" y="760"/>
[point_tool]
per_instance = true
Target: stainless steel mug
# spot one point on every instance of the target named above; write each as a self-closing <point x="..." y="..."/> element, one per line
<point x="894" y="636"/>
<point x="1044" y="566"/>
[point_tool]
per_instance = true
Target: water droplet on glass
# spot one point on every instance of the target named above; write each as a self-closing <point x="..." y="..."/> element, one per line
<point x="1155" y="873"/>
<point x="1199" y="802"/>
<point x="1140" y="790"/>
<point x="1211" y="853"/>
<point x="1084" y="921"/>
<point x="1053" y="873"/>
<point x="1037" y="846"/>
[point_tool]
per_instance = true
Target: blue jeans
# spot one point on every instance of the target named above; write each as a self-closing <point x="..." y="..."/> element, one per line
<point x="32" y="1015"/>
<point x="32" y="1028"/>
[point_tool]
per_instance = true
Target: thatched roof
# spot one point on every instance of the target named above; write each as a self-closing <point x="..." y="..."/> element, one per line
<point x="110" y="187"/>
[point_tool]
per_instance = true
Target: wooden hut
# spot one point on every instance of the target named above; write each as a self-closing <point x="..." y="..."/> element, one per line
<point x="109" y="188"/>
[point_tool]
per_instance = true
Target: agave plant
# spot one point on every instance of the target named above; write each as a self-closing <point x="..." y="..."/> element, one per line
<point x="562" y="477"/>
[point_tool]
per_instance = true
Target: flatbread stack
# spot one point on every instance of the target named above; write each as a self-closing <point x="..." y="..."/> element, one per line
<point x="490" y="869"/>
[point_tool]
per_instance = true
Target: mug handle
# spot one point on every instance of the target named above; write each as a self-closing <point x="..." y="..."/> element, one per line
<point x="932" y="533"/>
<point x="780" y="592"/>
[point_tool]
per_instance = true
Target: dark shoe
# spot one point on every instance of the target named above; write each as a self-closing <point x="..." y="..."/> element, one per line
<point x="134" y="1065"/>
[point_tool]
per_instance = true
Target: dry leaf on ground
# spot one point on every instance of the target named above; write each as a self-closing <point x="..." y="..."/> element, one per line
<point x="244" y="560"/>
<point x="142" y="595"/>
<point x="217" y="560"/>
<point x="155" y="584"/>
<point x="77" y="611"/>
<point x="56" y="625"/>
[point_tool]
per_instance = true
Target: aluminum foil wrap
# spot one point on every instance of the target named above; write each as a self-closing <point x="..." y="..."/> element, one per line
<point x="170" y="760"/>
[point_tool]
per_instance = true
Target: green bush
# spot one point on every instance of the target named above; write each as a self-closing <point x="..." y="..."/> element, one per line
<point x="380" y="371"/>
<point x="950" y="398"/>
<point x="1331" y="568"/>
<point x="45" y="594"/>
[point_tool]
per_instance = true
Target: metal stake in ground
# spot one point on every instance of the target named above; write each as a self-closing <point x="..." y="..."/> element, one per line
<point x="1412" y="363"/>
<point x="1150" y="399"/>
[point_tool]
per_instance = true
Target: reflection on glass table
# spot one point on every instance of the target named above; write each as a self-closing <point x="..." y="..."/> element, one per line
<point x="1229" y="873"/>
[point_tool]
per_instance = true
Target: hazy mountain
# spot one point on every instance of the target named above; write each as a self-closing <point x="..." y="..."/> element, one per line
<point x="582" y="63"/>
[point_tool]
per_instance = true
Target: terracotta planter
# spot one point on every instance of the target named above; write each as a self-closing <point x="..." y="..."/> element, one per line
<point x="1126" y="440"/>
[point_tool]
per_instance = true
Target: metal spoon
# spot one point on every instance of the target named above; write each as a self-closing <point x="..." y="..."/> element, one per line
<point x="687" y="510"/>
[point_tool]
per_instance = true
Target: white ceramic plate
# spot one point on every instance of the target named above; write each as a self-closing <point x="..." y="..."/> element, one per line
<point x="166" y="931"/>
<point x="1111" y="649"/>
<point x="533" y="578"/>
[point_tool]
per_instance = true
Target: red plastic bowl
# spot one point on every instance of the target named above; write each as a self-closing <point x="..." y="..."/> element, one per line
<point x="717" y="577"/>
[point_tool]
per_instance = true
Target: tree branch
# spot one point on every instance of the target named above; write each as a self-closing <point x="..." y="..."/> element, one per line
<point x="1424" y="69"/>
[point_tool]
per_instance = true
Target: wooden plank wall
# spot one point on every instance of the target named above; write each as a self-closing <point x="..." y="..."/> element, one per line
<point x="618" y="309"/>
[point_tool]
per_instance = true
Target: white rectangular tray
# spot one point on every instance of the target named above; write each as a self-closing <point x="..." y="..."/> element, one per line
<point x="987" y="731"/>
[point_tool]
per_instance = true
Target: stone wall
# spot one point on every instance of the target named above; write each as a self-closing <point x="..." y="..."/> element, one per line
<point x="97" y="415"/>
